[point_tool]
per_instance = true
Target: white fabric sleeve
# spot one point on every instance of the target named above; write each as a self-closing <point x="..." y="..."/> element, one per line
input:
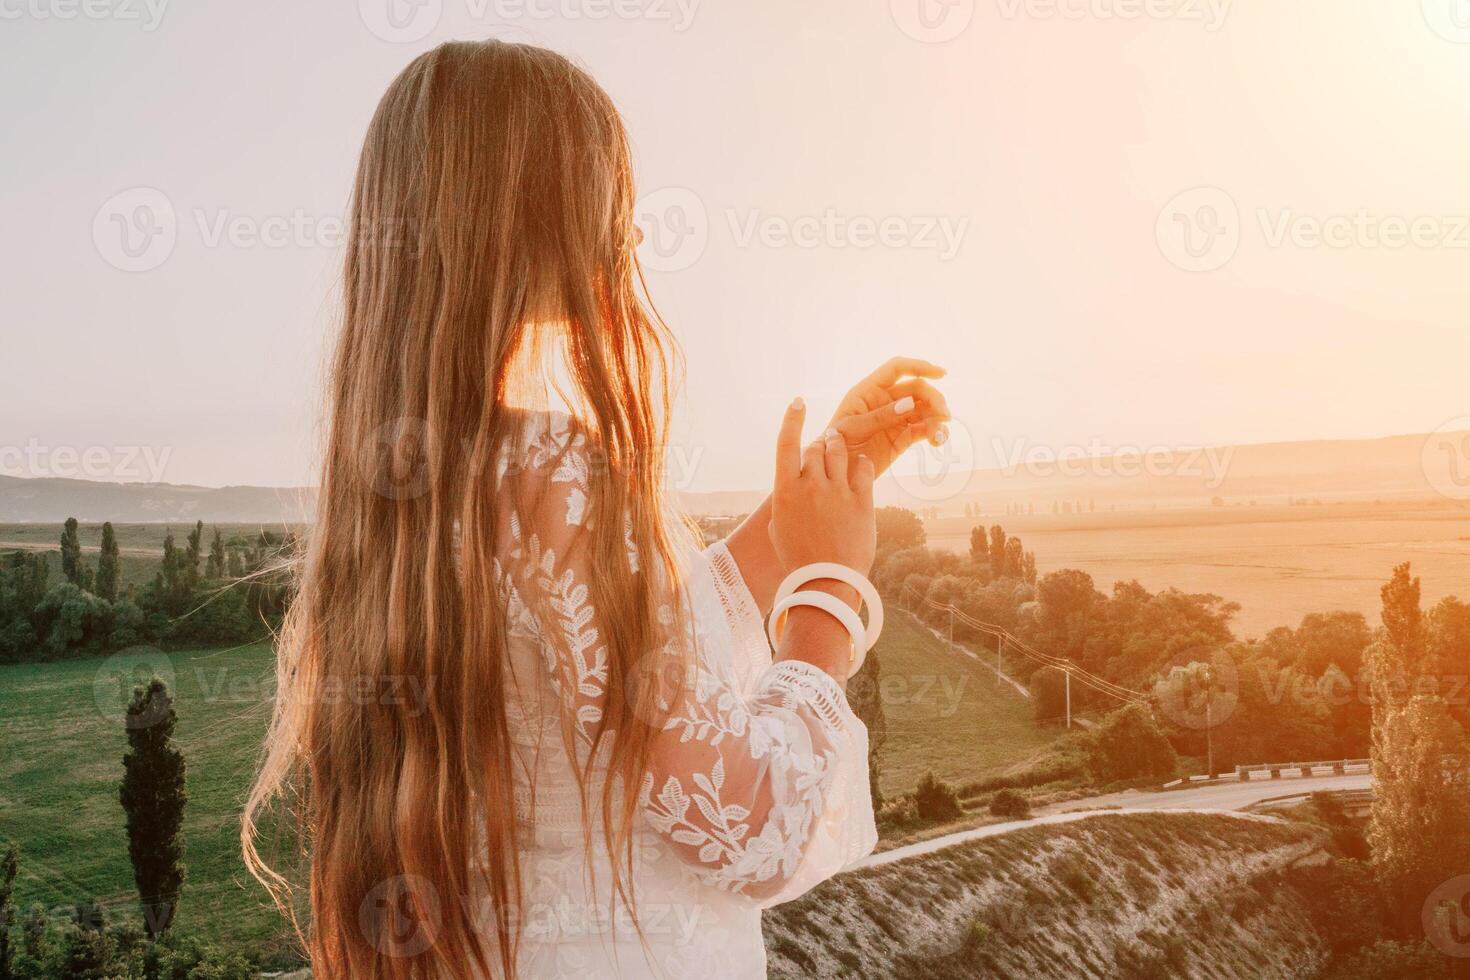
<point x="760" y="787"/>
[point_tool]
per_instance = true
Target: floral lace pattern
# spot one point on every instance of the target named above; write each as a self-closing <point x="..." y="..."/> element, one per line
<point x="757" y="787"/>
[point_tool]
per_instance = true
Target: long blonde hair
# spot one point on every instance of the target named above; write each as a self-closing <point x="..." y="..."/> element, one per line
<point x="492" y="212"/>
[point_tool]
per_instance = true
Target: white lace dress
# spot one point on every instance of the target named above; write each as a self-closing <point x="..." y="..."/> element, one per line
<point x="758" y="789"/>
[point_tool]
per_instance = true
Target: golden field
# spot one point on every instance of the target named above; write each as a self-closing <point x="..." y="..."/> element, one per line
<point x="1278" y="562"/>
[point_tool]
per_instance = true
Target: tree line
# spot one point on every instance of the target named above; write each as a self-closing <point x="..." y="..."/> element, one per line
<point x="228" y="590"/>
<point x="1301" y="693"/>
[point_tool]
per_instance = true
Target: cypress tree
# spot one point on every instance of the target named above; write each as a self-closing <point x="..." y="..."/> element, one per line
<point x="1014" y="559"/>
<point x="71" y="554"/>
<point x="215" y="569"/>
<point x="191" y="555"/>
<point x="153" y="798"/>
<point x="979" y="545"/>
<point x="172" y="589"/>
<point x="997" y="551"/>
<point x="1418" y="830"/>
<point x="107" y="565"/>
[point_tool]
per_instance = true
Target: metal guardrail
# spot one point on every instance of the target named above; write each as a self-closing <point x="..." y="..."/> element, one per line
<point x="1275" y="770"/>
<point x="1278" y="770"/>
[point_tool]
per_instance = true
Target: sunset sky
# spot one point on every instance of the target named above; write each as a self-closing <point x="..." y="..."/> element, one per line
<point x="992" y="185"/>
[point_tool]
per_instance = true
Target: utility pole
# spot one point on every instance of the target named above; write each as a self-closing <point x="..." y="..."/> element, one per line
<point x="1000" y="642"/>
<point x="951" y="627"/>
<point x="1209" y="719"/>
<point x="1069" y="694"/>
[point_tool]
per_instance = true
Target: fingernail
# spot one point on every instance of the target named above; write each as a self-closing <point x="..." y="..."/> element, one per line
<point x="941" y="436"/>
<point x="798" y="403"/>
<point x="904" y="405"/>
<point x="832" y="434"/>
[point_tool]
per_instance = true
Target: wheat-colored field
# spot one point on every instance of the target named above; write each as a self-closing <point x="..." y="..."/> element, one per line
<point x="1278" y="562"/>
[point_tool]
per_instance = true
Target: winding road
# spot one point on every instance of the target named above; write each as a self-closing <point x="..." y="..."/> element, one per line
<point x="1226" y="797"/>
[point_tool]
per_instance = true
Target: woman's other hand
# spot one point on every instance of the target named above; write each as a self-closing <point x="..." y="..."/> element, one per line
<point x="891" y="409"/>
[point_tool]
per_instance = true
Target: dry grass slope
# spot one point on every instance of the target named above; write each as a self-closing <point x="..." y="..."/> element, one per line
<point x="1136" y="895"/>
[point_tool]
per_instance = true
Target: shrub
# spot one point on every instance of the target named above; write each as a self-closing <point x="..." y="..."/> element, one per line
<point x="898" y="813"/>
<point x="221" y="616"/>
<point x="1343" y="901"/>
<point x="1130" y="745"/>
<point x="70" y="619"/>
<point x="129" y="625"/>
<point x="936" y="800"/>
<point x="1010" y="804"/>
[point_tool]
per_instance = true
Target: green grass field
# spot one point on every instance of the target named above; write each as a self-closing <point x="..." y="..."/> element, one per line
<point x="64" y="740"/>
<point x="947" y="713"/>
<point x="63" y="744"/>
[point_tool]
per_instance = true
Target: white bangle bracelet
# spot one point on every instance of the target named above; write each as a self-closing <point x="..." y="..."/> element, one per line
<point x="835" y="607"/>
<point x="840" y="573"/>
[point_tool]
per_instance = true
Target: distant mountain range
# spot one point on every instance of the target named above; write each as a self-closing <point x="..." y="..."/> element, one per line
<point x="49" y="500"/>
<point x="1391" y="467"/>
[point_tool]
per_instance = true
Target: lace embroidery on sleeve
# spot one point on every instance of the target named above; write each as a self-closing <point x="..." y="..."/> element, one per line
<point x="748" y="779"/>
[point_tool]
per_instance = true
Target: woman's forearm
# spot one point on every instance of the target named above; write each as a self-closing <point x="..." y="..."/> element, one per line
<point x="750" y="545"/>
<point x="814" y="636"/>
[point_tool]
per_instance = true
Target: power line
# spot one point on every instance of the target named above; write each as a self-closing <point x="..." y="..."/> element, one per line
<point x="1003" y="635"/>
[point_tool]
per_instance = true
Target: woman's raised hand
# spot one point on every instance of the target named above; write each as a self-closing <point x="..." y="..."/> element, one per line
<point x="891" y="409"/>
<point x="822" y="507"/>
